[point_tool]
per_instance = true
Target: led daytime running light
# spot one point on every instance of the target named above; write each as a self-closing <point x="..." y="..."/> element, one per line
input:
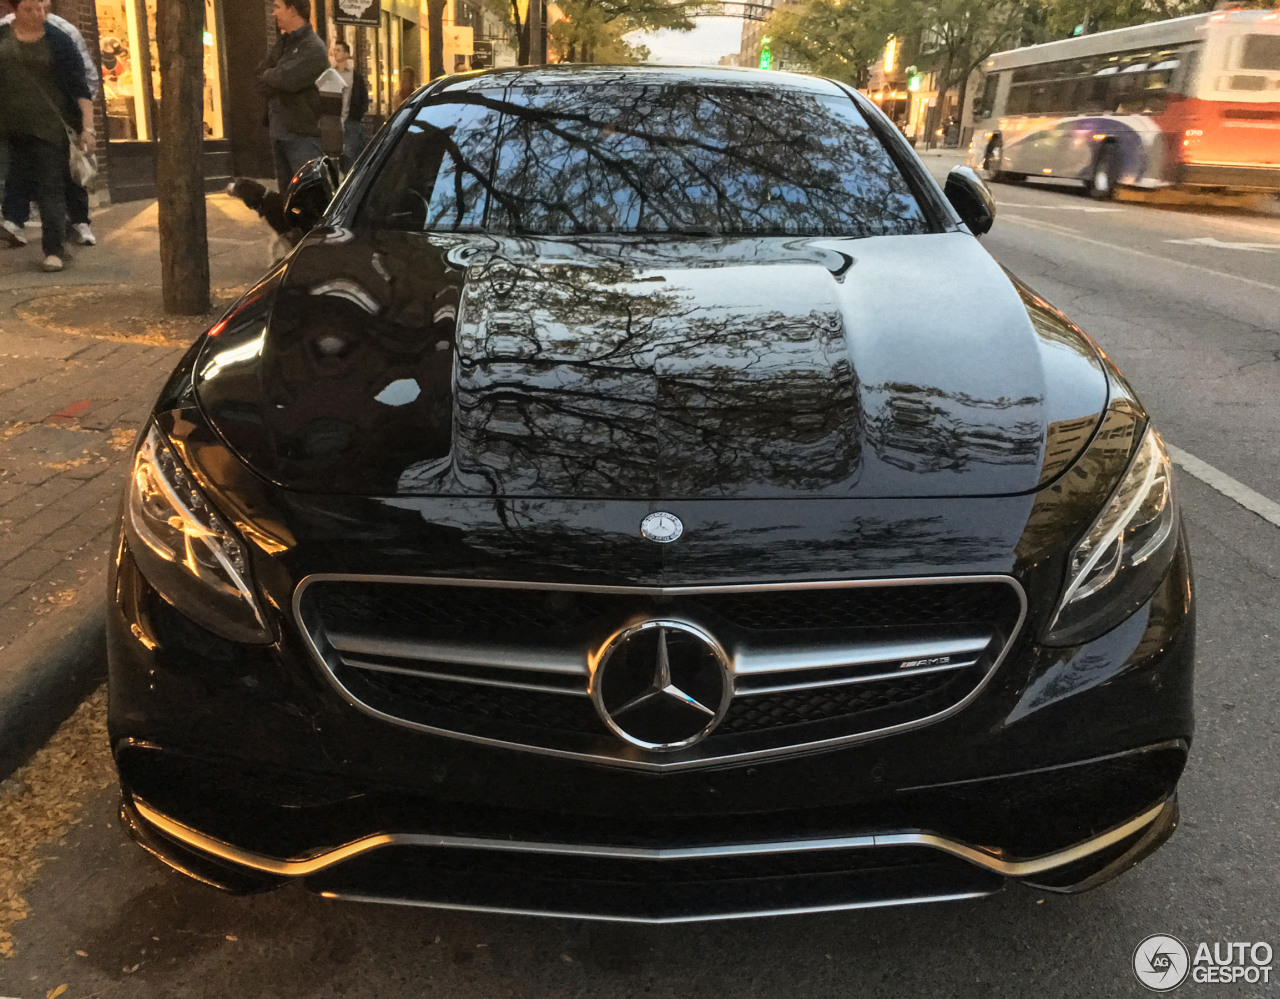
<point x="164" y="501"/>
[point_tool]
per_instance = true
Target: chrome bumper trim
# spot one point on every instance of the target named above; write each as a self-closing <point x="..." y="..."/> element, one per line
<point x="429" y="674"/>
<point x="533" y="659"/>
<point x="302" y="866"/>
<point x="658" y="920"/>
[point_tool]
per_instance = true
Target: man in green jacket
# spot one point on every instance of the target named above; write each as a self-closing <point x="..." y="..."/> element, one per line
<point x="288" y="79"/>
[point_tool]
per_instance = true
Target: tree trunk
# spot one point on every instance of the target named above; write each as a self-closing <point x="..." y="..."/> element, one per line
<point x="184" y="241"/>
<point x="522" y="33"/>
<point x="435" y="38"/>
<point x="537" y="34"/>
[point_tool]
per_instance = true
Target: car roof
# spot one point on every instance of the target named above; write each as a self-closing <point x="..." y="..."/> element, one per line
<point x="584" y="75"/>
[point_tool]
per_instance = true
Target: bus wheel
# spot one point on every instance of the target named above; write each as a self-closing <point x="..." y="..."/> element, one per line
<point x="1102" y="184"/>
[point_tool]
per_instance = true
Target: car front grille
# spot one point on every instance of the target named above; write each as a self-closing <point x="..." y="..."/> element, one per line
<point x="509" y="663"/>
<point x="748" y="713"/>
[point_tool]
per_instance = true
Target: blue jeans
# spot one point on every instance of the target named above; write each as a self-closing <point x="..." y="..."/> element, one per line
<point x="290" y="153"/>
<point x="352" y="142"/>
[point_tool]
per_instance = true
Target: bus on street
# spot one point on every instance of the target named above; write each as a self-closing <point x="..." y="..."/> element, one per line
<point x="1192" y="103"/>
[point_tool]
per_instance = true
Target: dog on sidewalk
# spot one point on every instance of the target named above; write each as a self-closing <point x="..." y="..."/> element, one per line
<point x="294" y="212"/>
<point x="270" y="206"/>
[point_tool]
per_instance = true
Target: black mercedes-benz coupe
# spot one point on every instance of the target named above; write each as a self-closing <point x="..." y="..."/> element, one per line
<point x="639" y="496"/>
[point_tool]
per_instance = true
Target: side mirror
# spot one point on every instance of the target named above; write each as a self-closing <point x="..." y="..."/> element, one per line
<point x="310" y="192"/>
<point x="971" y="199"/>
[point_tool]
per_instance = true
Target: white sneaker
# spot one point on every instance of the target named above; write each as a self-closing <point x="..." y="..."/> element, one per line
<point x="52" y="263"/>
<point x="12" y="234"/>
<point x="85" y="234"/>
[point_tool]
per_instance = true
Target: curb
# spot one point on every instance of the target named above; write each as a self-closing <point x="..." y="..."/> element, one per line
<point x="49" y="670"/>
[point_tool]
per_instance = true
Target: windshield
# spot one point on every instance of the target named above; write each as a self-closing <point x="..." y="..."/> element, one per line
<point x="643" y="159"/>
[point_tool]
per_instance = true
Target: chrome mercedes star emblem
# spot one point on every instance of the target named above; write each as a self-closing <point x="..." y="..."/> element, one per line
<point x="661" y="527"/>
<point x="662" y="685"/>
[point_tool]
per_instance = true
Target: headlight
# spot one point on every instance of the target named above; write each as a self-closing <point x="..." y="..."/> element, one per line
<point x="1125" y="554"/>
<point x="185" y="550"/>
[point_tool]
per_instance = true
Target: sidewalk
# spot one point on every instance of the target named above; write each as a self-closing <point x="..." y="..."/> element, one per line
<point x="82" y="355"/>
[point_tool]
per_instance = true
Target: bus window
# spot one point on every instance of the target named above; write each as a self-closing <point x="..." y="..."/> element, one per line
<point x="1260" y="52"/>
<point x="1100" y="90"/>
<point x="987" y="102"/>
<point x="1159" y="85"/>
<point x="1190" y="70"/>
<point x="1128" y="86"/>
<point x="1019" y="99"/>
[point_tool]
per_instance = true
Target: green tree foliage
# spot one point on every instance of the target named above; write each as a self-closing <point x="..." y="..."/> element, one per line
<point x="955" y="36"/>
<point x="592" y="30"/>
<point x="842" y="38"/>
<point x="835" y="38"/>
<point x="1059" y="18"/>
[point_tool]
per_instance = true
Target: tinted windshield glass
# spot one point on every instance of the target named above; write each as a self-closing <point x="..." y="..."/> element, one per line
<point x="590" y="159"/>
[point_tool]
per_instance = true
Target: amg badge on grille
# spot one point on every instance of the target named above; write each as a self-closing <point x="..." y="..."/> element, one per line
<point x="661" y="527"/>
<point x="662" y="684"/>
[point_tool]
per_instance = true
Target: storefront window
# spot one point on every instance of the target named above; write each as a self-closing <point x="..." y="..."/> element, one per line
<point x="124" y="63"/>
<point x="387" y="85"/>
<point x="130" y="63"/>
<point x="212" y="74"/>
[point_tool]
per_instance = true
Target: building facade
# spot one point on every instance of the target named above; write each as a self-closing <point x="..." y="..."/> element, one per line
<point x="238" y="34"/>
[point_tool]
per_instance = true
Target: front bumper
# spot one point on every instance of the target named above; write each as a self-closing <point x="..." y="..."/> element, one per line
<point x="651" y="885"/>
<point x="242" y="767"/>
<point x="1233" y="176"/>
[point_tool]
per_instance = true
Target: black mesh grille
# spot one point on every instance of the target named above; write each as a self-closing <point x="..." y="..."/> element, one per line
<point x="885" y="606"/>
<point x="534" y="618"/>
<point x="475" y="702"/>
<point x="456" y="612"/>
<point x="495" y="863"/>
<point x="450" y="612"/>
<point x="795" y="707"/>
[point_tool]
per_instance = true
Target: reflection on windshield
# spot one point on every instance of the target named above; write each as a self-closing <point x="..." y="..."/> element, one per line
<point x="643" y="159"/>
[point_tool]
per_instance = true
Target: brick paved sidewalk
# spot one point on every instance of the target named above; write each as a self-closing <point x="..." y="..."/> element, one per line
<point x="82" y="355"/>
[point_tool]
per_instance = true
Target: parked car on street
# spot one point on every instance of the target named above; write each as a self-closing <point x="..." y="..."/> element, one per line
<point x="639" y="496"/>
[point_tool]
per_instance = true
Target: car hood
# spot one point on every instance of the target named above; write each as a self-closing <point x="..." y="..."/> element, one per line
<point x="400" y="364"/>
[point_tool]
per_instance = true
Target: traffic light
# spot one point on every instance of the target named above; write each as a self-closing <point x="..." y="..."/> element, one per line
<point x="766" y="56"/>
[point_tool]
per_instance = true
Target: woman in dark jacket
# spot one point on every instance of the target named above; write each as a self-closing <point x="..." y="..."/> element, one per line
<point x="44" y="100"/>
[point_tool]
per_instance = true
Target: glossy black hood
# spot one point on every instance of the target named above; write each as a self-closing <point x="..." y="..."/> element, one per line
<point x="420" y="364"/>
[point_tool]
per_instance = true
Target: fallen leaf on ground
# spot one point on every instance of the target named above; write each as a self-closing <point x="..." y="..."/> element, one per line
<point x="62" y="466"/>
<point x="54" y="993"/>
<point x="49" y="794"/>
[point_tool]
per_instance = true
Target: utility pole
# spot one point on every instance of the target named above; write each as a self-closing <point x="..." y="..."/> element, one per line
<point x="184" y="242"/>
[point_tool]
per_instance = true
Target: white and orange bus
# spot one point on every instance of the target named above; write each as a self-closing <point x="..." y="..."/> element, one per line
<point x="1192" y="102"/>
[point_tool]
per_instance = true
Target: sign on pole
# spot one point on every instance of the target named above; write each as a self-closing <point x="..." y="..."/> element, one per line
<point x="364" y="13"/>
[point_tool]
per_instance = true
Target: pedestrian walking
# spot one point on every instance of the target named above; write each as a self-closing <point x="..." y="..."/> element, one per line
<point x="355" y="103"/>
<point x="44" y="105"/>
<point x="408" y="84"/>
<point x="288" y="80"/>
<point x="17" y="201"/>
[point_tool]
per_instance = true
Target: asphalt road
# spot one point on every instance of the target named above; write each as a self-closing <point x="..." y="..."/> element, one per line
<point x="1196" y="327"/>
